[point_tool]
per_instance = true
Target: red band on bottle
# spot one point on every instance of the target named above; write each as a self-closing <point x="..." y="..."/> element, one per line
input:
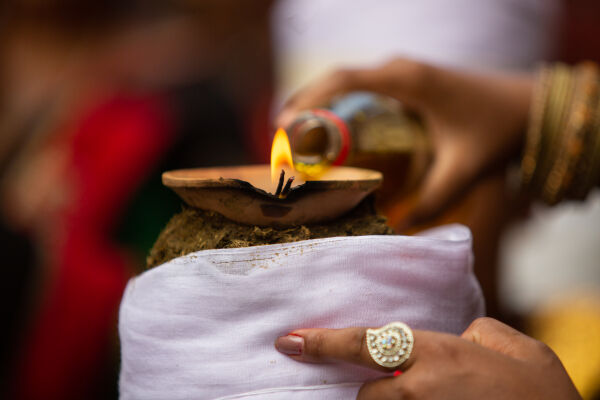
<point x="346" y="139"/>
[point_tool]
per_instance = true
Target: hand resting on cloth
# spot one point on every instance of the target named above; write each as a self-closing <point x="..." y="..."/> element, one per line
<point x="203" y="325"/>
<point x="489" y="360"/>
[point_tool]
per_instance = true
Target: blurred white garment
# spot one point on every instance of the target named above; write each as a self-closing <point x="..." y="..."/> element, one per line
<point x="203" y="326"/>
<point x="556" y="253"/>
<point x="312" y="37"/>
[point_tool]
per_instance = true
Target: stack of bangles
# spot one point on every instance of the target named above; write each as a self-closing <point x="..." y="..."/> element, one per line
<point x="562" y="150"/>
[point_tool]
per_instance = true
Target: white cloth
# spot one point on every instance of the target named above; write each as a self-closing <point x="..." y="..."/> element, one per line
<point x="203" y="326"/>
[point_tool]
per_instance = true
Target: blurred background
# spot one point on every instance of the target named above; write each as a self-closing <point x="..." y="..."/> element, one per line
<point x="98" y="98"/>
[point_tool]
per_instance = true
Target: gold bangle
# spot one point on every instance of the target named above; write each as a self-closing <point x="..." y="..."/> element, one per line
<point x="534" y="132"/>
<point x="582" y="146"/>
<point x="593" y="176"/>
<point x="569" y="144"/>
<point x="556" y="110"/>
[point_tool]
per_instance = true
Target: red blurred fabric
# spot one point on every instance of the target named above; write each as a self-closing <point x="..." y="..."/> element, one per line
<point x="114" y="147"/>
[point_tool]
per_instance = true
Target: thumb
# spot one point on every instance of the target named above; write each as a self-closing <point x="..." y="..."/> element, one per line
<point x="500" y="337"/>
<point x="446" y="179"/>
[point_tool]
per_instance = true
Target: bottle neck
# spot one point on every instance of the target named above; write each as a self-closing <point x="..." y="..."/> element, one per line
<point x="319" y="136"/>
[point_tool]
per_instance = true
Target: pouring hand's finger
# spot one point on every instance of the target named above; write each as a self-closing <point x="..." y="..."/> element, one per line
<point x="406" y="80"/>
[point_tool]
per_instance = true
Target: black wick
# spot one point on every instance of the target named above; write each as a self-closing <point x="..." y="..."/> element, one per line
<point x="280" y="184"/>
<point x="282" y="193"/>
<point x="287" y="187"/>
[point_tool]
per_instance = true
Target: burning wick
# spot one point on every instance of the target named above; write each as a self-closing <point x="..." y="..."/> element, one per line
<point x="282" y="193"/>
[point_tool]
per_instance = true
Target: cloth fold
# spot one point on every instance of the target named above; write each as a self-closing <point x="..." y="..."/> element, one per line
<point x="202" y="326"/>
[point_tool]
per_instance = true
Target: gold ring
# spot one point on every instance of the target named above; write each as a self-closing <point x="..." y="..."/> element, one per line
<point x="391" y="345"/>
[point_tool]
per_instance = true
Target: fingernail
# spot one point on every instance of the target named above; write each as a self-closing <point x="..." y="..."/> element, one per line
<point x="290" y="345"/>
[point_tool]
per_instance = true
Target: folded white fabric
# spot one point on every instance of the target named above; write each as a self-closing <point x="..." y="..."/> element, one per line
<point x="202" y="326"/>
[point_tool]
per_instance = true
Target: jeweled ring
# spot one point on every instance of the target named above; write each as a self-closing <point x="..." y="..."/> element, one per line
<point x="390" y="345"/>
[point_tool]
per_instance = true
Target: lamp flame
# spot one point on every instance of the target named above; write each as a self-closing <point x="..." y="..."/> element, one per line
<point x="281" y="153"/>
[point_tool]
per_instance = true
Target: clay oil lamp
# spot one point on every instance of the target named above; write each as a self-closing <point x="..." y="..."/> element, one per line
<point x="261" y="195"/>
